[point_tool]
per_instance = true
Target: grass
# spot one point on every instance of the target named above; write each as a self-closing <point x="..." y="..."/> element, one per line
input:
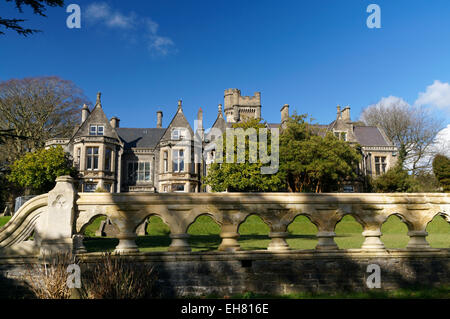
<point x="4" y="220"/>
<point x="254" y="234"/>
<point x="442" y="292"/>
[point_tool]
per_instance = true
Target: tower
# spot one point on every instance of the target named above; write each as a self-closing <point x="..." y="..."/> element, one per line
<point x="238" y="108"/>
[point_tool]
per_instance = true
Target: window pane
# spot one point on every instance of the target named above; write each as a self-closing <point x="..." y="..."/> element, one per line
<point x="175" y="160"/>
<point x="89" y="162"/>
<point x="93" y="130"/>
<point x="181" y="161"/>
<point x="100" y="130"/>
<point x="89" y="150"/>
<point x="95" y="162"/>
<point x="95" y="150"/>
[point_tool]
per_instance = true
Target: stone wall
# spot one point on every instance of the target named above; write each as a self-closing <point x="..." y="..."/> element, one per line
<point x="225" y="274"/>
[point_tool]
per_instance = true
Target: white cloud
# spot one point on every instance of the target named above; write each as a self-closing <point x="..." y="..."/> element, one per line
<point x="160" y="44"/>
<point x="100" y="13"/>
<point x="391" y="101"/>
<point x="436" y="94"/>
<point x="442" y="144"/>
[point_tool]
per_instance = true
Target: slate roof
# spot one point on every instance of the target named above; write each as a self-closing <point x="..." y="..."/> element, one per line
<point x="140" y="137"/>
<point x="370" y="136"/>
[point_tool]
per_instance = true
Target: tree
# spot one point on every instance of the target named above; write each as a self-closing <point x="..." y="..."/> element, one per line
<point x="441" y="169"/>
<point x="38" y="7"/>
<point x="310" y="162"/>
<point x="246" y="176"/>
<point x="395" y="180"/>
<point x="37" y="109"/>
<point x="37" y="171"/>
<point x="412" y="129"/>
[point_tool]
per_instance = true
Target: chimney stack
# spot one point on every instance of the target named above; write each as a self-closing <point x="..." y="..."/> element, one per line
<point x="84" y="113"/>
<point x="284" y="114"/>
<point x="346" y="114"/>
<point x="114" y="121"/>
<point x="338" y="115"/>
<point x="200" y="129"/>
<point x="159" y="116"/>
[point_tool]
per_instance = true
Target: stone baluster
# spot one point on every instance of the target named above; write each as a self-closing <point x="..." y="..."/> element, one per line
<point x="325" y="240"/>
<point x="229" y="234"/>
<point x="278" y="221"/>
<point x="326" y="219"/>
<point x="372" y="235"/>
<point x="230" y="221"/>
<point x="179" y="242"/>
<point x="417" y="218"/>
<point x="371" y="218"/>
<point x="178" y="224"/>
<point x="78" y="245"/>
<point x="127" y="234"/>
<point x="127" y="243"/>
<point x="278" y="241"/>
<point x="418" y="239"/>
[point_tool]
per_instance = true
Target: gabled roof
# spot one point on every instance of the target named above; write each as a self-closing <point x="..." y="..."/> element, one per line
<point x="370" y="136"/>
<point x="96" y="116"/>
<point x="179" y="120"/>
<point x="140" y="137"/>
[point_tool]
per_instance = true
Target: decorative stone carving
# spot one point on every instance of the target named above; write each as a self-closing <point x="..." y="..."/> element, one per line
<point x="58" y="225"/>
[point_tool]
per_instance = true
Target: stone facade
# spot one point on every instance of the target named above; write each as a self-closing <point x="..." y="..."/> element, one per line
<point x="174" y="159"/>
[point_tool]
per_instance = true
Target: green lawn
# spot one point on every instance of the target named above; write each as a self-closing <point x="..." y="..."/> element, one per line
<point x="254" y="234"/>
<point x="4" y="220"/>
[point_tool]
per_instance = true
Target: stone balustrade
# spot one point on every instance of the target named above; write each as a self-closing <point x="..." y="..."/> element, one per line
<point x="68" y="213"/>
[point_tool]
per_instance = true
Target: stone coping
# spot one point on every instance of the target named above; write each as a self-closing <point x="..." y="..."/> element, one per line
<point x="251" y="255"/>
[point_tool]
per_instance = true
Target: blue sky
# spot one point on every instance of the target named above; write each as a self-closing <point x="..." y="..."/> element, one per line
<point x="145" y="55"/>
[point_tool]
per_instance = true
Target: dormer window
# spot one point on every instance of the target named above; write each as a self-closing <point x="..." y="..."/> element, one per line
<point x="176" y="134"/>
<point x="96" y="130"/>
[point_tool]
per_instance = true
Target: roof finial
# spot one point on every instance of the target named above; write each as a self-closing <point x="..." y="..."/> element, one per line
<point x="99" y="99"/>
<point x="179" y="104"/>
<point x="220" y="108"/>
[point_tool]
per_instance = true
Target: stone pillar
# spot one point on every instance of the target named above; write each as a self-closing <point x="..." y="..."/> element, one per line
<point x="78" y="245"/>
<point x="127" y="243"/>
<point x="372" y="239"/>
<point x="325" y="240"/>
<point x="325" y="220"/>
<point x="58" y="224"/>
<point x="179" y="243"/>
<point x="127" y="232"/>
<point x="417" y="240"/>
<point x="229" y="234"/>
<point x="278" y="242"/>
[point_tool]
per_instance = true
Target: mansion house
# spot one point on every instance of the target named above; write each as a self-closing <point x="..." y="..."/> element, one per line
<point x="175" y="158"/>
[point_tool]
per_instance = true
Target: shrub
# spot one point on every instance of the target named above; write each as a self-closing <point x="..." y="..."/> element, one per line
<point x="49" y="280"/>
<point x="116" y="277"/>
